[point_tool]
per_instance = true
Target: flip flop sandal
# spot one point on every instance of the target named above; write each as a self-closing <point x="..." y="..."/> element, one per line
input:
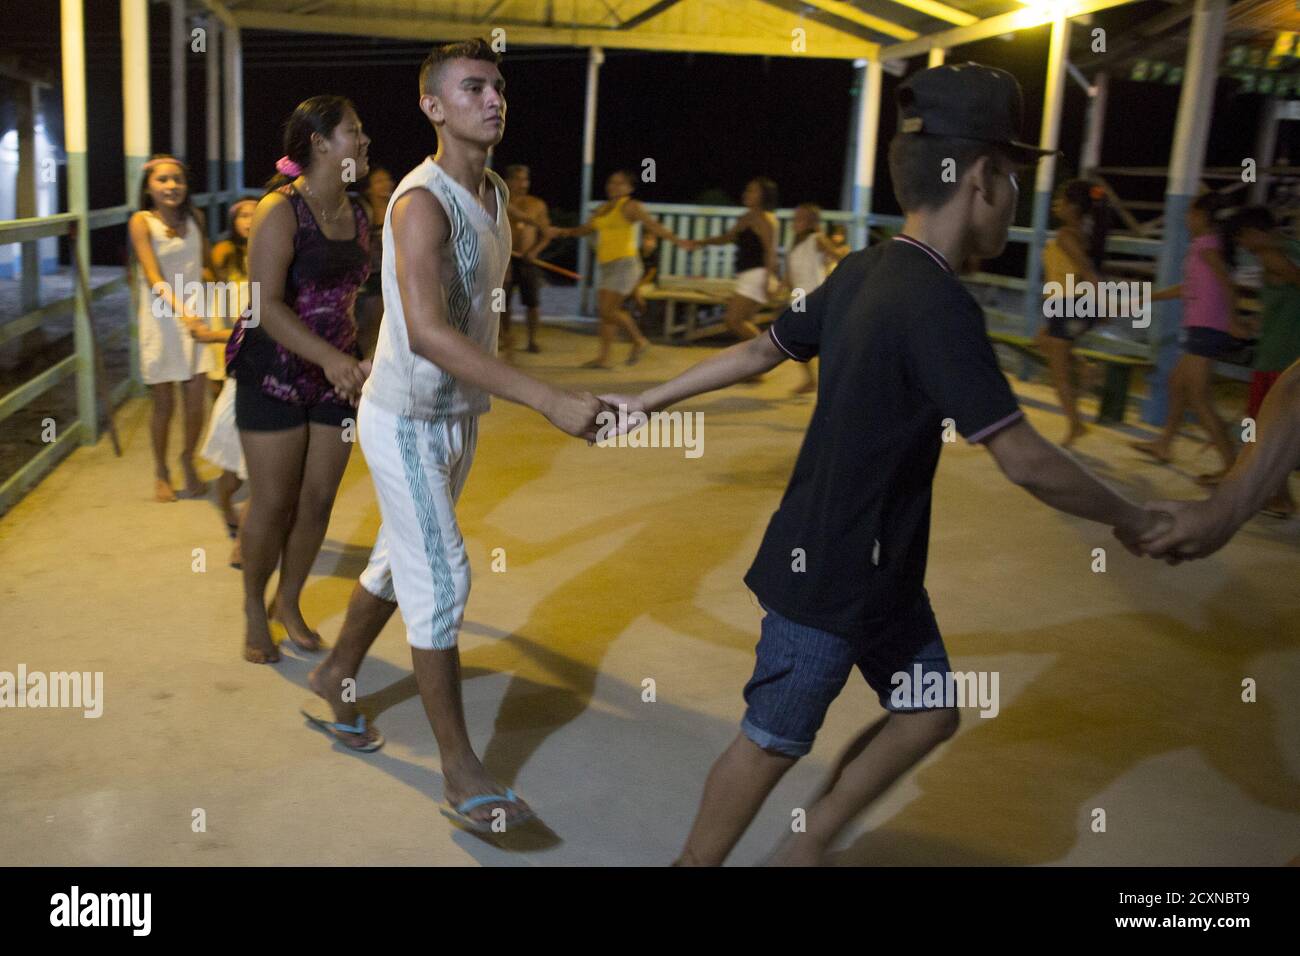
<point x="337" y="729"/>
<point x="460" y="814"/>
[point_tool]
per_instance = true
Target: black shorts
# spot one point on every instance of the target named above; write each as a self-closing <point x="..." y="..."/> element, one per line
<point x="1211" y="343"/>
<point x="258" y="412"/>
<point x="527" y="278"/>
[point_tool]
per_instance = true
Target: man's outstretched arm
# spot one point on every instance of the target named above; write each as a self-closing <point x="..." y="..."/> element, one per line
<point x="419" y="229"/>
<point x="1054" y="478"/>
<point x="731" y="365"/>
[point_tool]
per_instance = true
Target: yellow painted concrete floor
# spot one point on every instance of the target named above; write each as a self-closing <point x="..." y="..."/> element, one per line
<point x="1120" y="691"/>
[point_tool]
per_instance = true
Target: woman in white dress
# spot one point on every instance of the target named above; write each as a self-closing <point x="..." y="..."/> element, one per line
<point x="169" y="242"/>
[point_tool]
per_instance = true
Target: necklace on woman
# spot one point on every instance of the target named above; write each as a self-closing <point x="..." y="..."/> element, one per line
<point x="168" y="229"/>
<point x="323" y="214"/>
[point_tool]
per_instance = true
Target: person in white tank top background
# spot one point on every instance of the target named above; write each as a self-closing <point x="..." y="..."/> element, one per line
<point x="809" y="260"/>
<point x="168" y="237"/>
<point x="446" y="248"/>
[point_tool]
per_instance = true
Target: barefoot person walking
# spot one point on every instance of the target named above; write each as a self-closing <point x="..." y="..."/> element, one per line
<point x="618" y="262"/>
<point x="754" y="235"/>
<point x="446" y="247"/>
<point x="170" y="243"/>
<point x="298" y="368"/>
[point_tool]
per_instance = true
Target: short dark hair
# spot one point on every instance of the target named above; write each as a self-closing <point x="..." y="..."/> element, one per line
<point x="916" y="165"/>
<point x="473" y="49"/>
<point x="516" y="168"/>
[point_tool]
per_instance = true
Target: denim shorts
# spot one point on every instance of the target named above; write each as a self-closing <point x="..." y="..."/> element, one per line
<point x="801" y="670"/>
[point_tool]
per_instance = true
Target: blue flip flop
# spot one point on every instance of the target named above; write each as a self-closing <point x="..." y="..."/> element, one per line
<point x="460" y="814"/>
<point x="337" y="729"/>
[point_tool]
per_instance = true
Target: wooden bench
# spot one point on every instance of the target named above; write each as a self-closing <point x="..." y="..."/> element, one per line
<point x="1119" y="371"/>
<point x="693" y="294"/>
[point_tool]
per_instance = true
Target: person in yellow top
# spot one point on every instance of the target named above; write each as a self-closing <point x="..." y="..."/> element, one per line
<point x="1068" y="254"/>
<point x="618" y="261"/>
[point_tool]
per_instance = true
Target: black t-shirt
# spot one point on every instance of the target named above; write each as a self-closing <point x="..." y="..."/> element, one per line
<point x="903" y="347"/>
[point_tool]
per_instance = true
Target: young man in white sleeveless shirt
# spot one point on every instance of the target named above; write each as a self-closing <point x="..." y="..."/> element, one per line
<point x="446" y="245"/>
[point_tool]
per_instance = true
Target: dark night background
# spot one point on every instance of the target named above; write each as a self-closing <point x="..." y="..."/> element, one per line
<point x="711" y="122"/>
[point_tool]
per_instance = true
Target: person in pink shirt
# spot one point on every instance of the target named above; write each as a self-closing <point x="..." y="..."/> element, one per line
<point x="1209" y="313"/>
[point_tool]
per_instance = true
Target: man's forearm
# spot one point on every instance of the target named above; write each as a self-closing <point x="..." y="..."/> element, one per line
<point x="462" y="359"/>
<point x="1056" y="480"/>
<point x="731" y="365"/>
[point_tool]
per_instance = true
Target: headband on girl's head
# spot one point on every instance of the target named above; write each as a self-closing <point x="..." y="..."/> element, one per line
<point x="234" y="208"/>
<point x="159" y="160"/>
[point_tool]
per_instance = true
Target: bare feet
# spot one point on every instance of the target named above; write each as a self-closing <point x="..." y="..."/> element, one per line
<point x="195" y="487"/>
<point x="806" y="388"/>
<point x="303" y="637"/>
<point x="596" y="363"/>
<point x="1211" y="478"/>
<point x="163" y="490"/>
<point x="258" y="646"/>
<point x="461" y="783"/>
<point x="326" y="683"/>
<point x="638" y="349"/>
<point x="1152" y="449"/>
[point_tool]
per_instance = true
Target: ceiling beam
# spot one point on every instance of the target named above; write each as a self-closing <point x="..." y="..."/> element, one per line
<point x="425" y="28"/>
<point x="940" y="11"/>
<point x="648" y="13"/>
<point x="847" y="11"/>
<point x="1011" y="22"/>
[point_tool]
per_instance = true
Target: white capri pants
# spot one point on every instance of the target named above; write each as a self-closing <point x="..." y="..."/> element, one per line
<point x="419" y="468"/>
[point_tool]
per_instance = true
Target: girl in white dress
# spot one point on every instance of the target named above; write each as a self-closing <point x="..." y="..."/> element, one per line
<point x="808" y="262"/>
<point x="169" y="242"/>
<point x="221" y="445"/>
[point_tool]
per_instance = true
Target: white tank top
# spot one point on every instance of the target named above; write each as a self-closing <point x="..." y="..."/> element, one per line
<point x="176" y="256"/>
<point x="474" y="262"/>
<point x="807" y="265"/>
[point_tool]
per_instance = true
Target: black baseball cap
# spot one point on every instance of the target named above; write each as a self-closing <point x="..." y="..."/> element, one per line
<point x="966" y="101"/>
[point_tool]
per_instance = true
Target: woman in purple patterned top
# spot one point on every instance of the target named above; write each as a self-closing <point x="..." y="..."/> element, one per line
<point x="296" y="361"/>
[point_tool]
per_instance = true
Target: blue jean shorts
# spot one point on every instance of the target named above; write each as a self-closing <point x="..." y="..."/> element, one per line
<point x="800" y="670"/>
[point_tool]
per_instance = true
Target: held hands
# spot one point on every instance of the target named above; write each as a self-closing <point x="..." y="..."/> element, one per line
<point x="630" y="411"/>
<point x="347" y="375"/>
<point x="574" y="413"/>
<point x="1178" y="531"/>
<point x="1197" y="529"/>
<point x="1149" y="523"/>
<point x="690" y="245"/>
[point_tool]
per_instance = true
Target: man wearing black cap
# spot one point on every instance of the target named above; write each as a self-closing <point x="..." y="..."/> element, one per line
<point x="905" y="359"/>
